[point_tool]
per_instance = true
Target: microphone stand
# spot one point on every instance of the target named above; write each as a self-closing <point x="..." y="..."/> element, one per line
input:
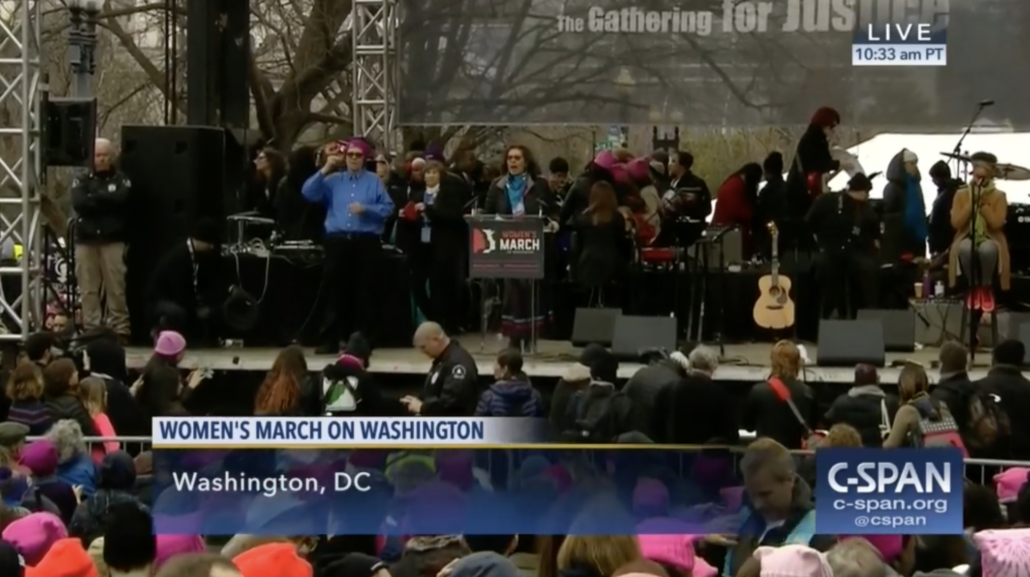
<point x="974" y="198"/>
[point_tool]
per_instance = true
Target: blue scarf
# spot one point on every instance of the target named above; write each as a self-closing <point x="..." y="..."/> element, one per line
<point x="915" y="217"/>
<point x="516" y="189"/>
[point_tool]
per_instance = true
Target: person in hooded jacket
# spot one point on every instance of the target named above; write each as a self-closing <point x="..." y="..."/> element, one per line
<point x="575" y="379"/>
<point x="512" y="395"/>
<point x="116" y="479"/>
<point x="1005" y="380"/>
<point x="766" y="411"/>
<point x="647" y="385"/>
<point x="347" y="388"/>
<point x="41" y="458"/>
<point x="866" y="407"/>
<point x="940" y="232"/>
<point x="107" y="362"/>
<point x="903" y="204"/>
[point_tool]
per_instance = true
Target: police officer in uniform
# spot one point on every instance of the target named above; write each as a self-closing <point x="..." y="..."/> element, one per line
<point x="101" y="203"/>
<point x="452" y="385"/>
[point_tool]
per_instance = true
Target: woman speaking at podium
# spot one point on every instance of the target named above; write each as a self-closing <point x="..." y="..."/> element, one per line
<point x="521" y="192"/>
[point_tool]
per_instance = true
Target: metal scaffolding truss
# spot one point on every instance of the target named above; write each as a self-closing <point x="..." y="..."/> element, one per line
<point x="20" y="167"/>
<point x="374" y="72"/>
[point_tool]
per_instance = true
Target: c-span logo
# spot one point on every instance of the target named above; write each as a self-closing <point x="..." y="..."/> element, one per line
<point x="889" y="491"/>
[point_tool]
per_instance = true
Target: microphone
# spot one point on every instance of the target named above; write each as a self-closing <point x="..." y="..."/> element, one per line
<point x="986" y="103"/>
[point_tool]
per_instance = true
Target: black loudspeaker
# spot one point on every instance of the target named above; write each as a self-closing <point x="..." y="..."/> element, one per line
<point x="634" y="335"/>
<point x="899" y="328"/>
<point x="217" y="57"/>
<point x="594" y="326"/>
<point x="70" y="131"/>
<point x="177" y="175"/>
<point x="848" y="343"/>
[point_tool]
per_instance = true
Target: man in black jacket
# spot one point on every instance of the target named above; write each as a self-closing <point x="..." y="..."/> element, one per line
<point x="452" y="385"/>
<point x="185" y="283"/>
<point x="101" y="202"/>
<point x="646" y="387"/>
<point x="954" y="388"/>
<point x="1005" y="380"/>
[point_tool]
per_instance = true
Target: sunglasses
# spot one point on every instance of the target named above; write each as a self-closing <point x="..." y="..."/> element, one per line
<point x="355" y="155"/>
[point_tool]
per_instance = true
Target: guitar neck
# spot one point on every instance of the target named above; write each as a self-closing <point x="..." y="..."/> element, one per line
<point x="775" y="272"/>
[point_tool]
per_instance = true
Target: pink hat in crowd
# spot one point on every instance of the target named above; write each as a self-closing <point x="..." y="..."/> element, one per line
<point x="169" y="546"/>
<point x="605" y="159"/>
<point x="639" y="169"/>
<point x="888" y="546"/>
<point x="34" y="534"/>
<point x="677" y="552"/>
<point x="1003" y="552"/>
<point x="169" y="344"/>
<point x="361" y="145"/>
<point x="793" y="561"/>
<point x="1008" y="483"/>
<point x="650" y="498"/>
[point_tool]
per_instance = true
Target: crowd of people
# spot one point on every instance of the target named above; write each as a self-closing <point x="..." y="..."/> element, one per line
<point x="72" y="508"/>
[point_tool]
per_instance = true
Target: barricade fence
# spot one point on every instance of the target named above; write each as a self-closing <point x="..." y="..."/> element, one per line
<point x="979" y="471"/>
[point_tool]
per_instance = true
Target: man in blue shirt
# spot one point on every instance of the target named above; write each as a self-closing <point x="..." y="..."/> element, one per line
<point x="357" y="207"/>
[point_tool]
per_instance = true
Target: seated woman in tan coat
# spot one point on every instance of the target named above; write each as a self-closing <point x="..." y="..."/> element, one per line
<point x="981" y="230"/>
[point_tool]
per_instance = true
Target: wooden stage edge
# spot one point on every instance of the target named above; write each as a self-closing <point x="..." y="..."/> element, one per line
<point x="742" y="362"/>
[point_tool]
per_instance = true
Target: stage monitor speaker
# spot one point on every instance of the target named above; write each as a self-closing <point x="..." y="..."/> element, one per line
<point x="848" y="343"/>
<point x="899" y="327"/>
<point x="69" y="132"/>
<point x="177" y="175"/>
<point x="594" y="326"/>
<point x="634" y="335"/>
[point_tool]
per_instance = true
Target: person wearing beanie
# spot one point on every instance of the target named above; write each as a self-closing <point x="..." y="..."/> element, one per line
<point x="117" y="479"/>
<point x="866" y="407"/>
<point x="182" y="290"/>
<point x="904" y="209"/>
<point x="357" y="209"/>
<point x="812" y="162"/>
<point x="647" y="386"/>
<point x="130" y="546"/>
<point x="675" y="554"/>
<point x="41" y="458"/>
<point x="347" y="388"/>
<point x="1006" y="381"/>
<point x="793" y="561"/>
<point x="273" y="560"/>
<point x="940" y="232"/>
<point x="847" y="231"/>
<point x="484" y="564"/>
<point x="65" y="558"/>
<point x="978" y="216"/>
<point x="33" y="535"/>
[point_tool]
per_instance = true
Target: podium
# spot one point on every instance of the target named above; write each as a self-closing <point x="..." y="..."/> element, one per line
<point x="506" y="248"/>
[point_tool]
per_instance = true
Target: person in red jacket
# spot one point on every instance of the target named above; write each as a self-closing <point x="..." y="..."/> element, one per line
<point x="735" y="203"/>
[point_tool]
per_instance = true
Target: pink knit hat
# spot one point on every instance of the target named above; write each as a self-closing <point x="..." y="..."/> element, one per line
<point x="676" y="551"/>
<point x="169" y="546"/>
<point x="169" y="344"/>
<point x="34" y="534"/>
<point x="639" y="169"/>
<point x="792" y="561"/>
<point x="359" y="144"/>
<point x="888" y="546"/>
<point x="1008" y="483"/>
<point x="605" y="159"/>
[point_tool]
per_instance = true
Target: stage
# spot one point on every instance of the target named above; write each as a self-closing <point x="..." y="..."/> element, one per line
<point x="741" y="363"/>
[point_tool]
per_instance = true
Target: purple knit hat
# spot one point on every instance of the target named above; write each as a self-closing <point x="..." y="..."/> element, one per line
<point x="169" y="344"/>
<point x="40" y="457"/>
<point x="362" y="145"/>
<point x="169" y="546"/>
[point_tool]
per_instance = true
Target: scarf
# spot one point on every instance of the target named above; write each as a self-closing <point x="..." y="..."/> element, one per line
<point x="428" y="199"/>
<point x="516" y="187"/>
<point x="980" y="223"/>
<point x="915" y="215"/>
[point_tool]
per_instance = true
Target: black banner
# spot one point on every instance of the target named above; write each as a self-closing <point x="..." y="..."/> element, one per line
<point x="506" y="247"/>
<point x="705" y="63"/>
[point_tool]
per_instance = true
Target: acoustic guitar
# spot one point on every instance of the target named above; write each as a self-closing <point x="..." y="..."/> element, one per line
<point x="774" y="309"/>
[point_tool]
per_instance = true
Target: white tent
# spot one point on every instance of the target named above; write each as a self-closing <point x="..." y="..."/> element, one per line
<point x="875" y="154"/>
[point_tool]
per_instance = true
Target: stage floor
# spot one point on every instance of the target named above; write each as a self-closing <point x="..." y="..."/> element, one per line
<point x="742" y="362"/>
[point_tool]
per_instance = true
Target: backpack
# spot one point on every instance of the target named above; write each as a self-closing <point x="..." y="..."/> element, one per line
<point x="599" y="413"/>
<point x="936" y="427"/>
<point x="340" y="395"/>
<point x="988" y="422"/>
